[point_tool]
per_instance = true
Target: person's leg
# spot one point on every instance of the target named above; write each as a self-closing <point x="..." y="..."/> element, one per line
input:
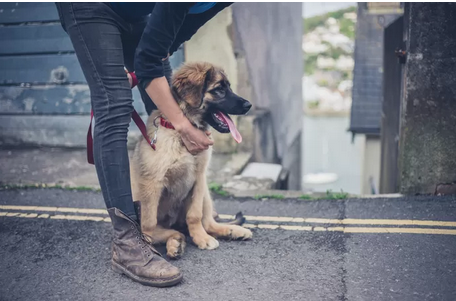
<point x="94" y="30"/>
<point x="96" y="37"/>
<point x="130" y="41"/>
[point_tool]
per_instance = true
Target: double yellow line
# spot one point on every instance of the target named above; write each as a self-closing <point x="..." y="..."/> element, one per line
<point x="349" y="225"/>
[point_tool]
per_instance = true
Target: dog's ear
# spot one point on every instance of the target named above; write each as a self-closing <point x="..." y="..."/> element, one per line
<point x="190" y="83"/>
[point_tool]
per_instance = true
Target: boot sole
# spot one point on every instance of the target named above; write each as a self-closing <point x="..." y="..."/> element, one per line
<point x="145" y="281"/>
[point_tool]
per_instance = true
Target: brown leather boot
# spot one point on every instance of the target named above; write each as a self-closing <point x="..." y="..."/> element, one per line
<point x="135" y="258"/>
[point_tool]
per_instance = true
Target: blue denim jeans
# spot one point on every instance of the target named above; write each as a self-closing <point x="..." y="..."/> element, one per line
<point x="104" y="43"/>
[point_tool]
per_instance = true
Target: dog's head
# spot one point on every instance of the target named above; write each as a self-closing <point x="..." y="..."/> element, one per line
<point x="205" y="96"/>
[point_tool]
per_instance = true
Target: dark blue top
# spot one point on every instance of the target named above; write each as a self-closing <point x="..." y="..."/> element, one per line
<point x="135" y="10"/>
<point x="169" y="25"/>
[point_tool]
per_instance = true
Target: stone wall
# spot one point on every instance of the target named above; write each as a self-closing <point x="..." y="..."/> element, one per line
<point x="428" y="120"/>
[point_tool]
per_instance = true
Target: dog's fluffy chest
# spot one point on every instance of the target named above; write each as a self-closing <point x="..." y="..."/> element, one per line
<point x="179" y="181"/>
<point x="177" y="170"/>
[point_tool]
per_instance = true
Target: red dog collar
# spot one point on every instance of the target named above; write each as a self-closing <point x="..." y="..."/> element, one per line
<point x="166" y="124"/>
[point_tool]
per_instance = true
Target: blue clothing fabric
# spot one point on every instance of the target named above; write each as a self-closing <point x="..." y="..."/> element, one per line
<point x="135" y="10"/>
<point x="201" y="7"/>
<point x="132" y="11"/>
<point x="169" y="24"/>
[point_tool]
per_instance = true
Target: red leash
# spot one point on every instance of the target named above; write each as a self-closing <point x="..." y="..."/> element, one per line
<point x="136" y="118"/>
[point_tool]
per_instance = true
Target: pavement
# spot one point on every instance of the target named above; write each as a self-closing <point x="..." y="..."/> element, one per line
<point x="68" y="167"/>
<point x="55" y="245"/>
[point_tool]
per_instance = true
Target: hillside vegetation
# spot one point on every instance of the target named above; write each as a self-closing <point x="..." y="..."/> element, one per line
<point x="309" y="24"/>
<point x="328" y="46"/>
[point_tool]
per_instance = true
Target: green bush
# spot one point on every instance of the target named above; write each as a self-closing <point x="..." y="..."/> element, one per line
<point x="310" y="63"/>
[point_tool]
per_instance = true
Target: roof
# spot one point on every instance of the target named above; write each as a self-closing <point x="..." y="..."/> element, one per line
<point x="368" y="72"/>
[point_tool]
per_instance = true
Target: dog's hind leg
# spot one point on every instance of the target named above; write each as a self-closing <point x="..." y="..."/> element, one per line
<point x="218" y="229"/>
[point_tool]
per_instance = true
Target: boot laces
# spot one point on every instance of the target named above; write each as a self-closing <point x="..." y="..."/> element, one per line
<point x="143" y="241"/>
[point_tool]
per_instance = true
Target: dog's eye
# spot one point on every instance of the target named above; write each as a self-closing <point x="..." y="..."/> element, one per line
<point x="219" y="91"/>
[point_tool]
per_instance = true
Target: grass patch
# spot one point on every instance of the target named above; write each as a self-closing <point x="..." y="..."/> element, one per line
<point x="269" y="196"/>
<point x="335" y="195"/>
<point x="306" y="197"/>
<point x="330" y="195"/>
<point x="218" y="189"/>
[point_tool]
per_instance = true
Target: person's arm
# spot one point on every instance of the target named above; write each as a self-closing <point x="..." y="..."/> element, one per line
<point x="193" y="22"/>
<point x="159" y="34"/>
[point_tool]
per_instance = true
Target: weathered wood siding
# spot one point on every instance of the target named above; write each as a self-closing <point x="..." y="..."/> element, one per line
<point x="40" y="74"/>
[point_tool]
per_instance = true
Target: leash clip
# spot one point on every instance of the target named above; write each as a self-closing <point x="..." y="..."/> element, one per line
<point x="154" y="140"/>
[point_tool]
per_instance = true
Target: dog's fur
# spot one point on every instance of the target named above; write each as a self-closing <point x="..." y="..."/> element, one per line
<point x="170" y="183"/>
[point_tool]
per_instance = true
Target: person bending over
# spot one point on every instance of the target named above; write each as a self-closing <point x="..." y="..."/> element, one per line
<point x="139" y="36"/>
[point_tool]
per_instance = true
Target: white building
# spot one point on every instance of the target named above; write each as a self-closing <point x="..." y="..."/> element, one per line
<point x="325" y="62"/>
<point x="311" y="47"/>
<point x="345" y="63"/>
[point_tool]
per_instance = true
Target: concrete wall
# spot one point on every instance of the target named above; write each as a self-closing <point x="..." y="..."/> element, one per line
<point x="371" y="164"/>
<point x="269" y="37"/>
<point x="212" y="43"/>
<point x="428" y="120"/>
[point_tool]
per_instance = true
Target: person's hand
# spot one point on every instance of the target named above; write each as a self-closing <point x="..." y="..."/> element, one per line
<point x="130" y="80"/>
<point x="194" y="139"/>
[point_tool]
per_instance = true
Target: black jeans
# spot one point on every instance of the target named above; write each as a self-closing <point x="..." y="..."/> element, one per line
<point x="104" y="43"/>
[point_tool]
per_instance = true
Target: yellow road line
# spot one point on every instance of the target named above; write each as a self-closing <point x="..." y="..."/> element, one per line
<point x="347" y="221"/>
<point x="250" y="218"/>
<point x="60" y="216"/>
<point x="54" y="209"/>
<point x="400" y="230"/>
<point x="377" y="230"/>
<point x="81" y="218"/>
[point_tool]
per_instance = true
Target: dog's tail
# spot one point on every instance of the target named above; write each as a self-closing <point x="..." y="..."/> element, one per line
<point x="239" y="219"/>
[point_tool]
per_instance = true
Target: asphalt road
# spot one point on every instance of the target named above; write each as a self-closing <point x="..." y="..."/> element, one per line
<point x="384" y="249"/>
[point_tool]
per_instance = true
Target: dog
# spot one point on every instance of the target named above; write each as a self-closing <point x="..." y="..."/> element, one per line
<point x="170" y="183"/>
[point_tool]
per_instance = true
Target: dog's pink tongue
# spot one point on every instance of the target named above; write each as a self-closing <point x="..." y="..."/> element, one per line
<point x="233" y="130"/>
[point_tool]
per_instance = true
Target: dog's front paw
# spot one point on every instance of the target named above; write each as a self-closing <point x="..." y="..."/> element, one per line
<point x="238" y="232"/>
<point x="205" y="242"/>
<point x="175" y="246"/>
